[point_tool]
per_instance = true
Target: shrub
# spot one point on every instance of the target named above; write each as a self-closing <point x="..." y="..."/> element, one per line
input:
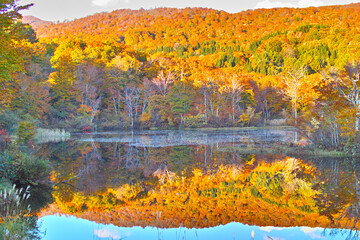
<point x="86" y="129"/>
<point x="194" y="121"/>
<point x="352" y="146"/>
<point x="8" y="121"/>
<point x="3" y="132"/>
<point x="23" y="169"/>
<point x="26" y="131"/>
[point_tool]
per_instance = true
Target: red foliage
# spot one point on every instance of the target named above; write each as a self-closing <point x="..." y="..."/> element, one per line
<point x="32" y="145"/>
<point x="3" y="132"/>
<point x="87" y="129"/>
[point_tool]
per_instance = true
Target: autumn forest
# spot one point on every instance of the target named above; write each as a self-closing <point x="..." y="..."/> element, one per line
<point x="174" y="68"/>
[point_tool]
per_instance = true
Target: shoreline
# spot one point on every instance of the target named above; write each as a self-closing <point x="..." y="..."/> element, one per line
<point x="292" y="151"/>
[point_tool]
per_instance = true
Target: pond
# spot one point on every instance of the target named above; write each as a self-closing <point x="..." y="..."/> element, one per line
<point x="196" y="185"/>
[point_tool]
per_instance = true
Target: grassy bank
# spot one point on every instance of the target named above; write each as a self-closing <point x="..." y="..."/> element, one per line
<point x="295" y="151"/>
<point x="227" y="128"/>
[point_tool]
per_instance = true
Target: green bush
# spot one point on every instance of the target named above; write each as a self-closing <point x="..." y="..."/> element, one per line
<point x="194" y="121"/>
<point x="23" y="169"/>
<point x="26" y="131"/>
<point x="8" y="120"/>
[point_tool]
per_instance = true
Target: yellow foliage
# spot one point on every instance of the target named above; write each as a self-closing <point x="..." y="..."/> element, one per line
<point x="145" y="117"/>
<point x="243" y="119"/>
<point x="126" y="192"/>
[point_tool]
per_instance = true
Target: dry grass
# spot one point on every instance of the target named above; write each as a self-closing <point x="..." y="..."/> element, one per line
<point x="15" y="216"/>
<point x="51" y="135"/>
<point x="277" y="122"/>
<point x="284" y="149"/>
<point x="13" y="202"/>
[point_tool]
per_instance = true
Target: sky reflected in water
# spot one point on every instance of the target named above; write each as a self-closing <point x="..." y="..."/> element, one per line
<point x="62" y="227"/>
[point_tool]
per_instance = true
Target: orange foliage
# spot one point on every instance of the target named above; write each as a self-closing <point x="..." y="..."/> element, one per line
<point x="277" y="194"/>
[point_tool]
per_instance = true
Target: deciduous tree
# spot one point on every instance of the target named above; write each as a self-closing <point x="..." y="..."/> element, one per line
<point x="293" y="81"/>
<point x="348" y="85"/>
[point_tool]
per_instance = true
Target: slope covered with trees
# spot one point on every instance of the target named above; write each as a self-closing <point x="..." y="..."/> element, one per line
<point x="192" y="67"/>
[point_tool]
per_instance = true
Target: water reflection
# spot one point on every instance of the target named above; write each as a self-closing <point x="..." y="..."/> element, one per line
<point x="166" y="138"/>
<point x="171" y="180"/>
<point x="91" y="230"/>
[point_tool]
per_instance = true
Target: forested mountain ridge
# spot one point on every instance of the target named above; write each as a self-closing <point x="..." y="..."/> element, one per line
<point x="241" y="36"/>
<point x="192" y="67"/>
<point x="180" y="20"/>
<point x="34" y="21"/>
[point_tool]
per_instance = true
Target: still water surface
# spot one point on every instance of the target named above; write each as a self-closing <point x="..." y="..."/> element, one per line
<point x="196" y="185"/>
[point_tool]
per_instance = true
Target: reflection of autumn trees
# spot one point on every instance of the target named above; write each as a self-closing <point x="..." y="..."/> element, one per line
<point x="352" y="210"/>
<point x="342" y="200"/>
<point x="88" y="166"/>
<point x="277" y="194"/>
<point x="340" y="197"/>
<point x="201" y="186"/>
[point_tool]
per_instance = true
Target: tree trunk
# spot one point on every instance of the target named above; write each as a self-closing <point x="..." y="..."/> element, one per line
<point x="132" y="121"/>
<point x="233" y="109"/>
<point x="115" y="107"/>
<point x="295" y="112"/>
<point x="205" y="106"/>
<point x="211" y="106"/>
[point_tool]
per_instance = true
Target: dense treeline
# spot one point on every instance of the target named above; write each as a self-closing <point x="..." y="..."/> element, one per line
<point x="172" y="68"/>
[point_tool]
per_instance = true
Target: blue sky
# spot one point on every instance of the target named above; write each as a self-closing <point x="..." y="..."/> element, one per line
<point x="71" y="228"/>
<point x="54" y="10"/>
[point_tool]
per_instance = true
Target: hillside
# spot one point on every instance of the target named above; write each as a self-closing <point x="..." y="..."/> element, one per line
<point x="199" y="31"/>
<point x="190" y="21"/>
<point x="35" y="22"/>
<point x="195" y="67"/>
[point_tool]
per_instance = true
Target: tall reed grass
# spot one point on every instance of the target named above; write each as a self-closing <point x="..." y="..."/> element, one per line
<point x="13" y="202"/>
<point x="44" y="135"/>
<point x="277" y="122"/>
<point x="16" y="221"/>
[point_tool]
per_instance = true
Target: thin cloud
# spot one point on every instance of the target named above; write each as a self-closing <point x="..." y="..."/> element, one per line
<point x="299" y="4"/>
<point x="104" y="3"/>
<point x="312" y="232"/>
<point x="310" y="3"/>
<point x="272" y="238"/>
<point x="269" y="229"/>
<point x="107" y="233"/>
